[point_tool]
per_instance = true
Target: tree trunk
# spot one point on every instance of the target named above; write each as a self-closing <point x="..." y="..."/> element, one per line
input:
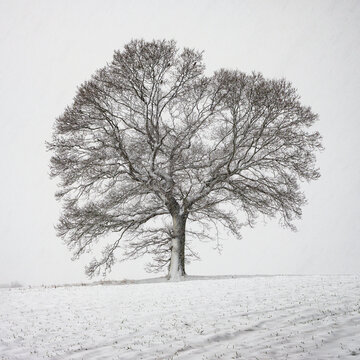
<point x="177" y="261"/>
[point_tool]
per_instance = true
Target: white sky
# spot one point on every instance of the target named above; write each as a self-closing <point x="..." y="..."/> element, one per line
<point x="48" y="48"/>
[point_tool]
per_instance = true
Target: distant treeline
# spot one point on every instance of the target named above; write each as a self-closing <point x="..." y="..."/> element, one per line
<point x="13" y="284"/>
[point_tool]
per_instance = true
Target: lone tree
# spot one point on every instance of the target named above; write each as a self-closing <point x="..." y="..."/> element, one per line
<point x="155" y="151"/>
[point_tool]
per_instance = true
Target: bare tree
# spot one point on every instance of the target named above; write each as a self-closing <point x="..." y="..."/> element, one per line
<point x="151" y="147"/>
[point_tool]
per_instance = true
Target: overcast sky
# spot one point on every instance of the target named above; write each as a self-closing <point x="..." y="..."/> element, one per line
<point x="48" y="48"/>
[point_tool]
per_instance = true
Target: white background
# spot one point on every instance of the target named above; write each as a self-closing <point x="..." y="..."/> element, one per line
<point x="48" y="48"/>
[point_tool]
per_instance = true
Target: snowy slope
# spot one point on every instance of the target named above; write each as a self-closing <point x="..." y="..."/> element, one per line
<point x="280" y="317"/>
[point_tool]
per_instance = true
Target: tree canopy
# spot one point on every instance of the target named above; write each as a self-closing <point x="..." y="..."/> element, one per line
<point x="152" y="146"/>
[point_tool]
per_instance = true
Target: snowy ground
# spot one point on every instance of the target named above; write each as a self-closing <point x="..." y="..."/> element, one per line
<point x="280" y="317"/>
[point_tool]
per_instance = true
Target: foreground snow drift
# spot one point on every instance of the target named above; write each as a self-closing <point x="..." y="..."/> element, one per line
<point x="294" y="317"/>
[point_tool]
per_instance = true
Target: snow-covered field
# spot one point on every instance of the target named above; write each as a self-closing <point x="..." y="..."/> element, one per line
<point x="279" y="317"/>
